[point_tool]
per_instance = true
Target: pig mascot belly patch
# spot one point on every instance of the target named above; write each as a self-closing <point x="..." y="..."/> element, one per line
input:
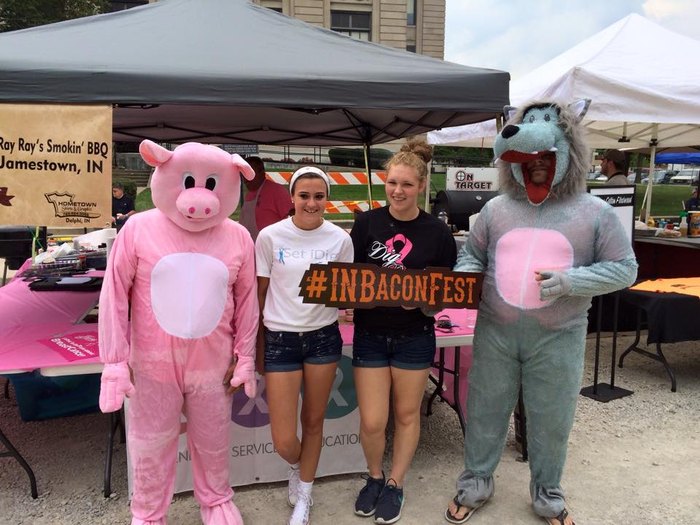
<point x="188" y="294"/>
<point x="522" y="252"/>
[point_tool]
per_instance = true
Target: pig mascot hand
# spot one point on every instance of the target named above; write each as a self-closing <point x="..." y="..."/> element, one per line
<point x="114" y="385"/>
<point x="244" y="374"/>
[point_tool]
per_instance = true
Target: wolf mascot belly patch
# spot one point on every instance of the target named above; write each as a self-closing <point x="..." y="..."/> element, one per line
<point x="545" y="247"/>
<point x="178" y="306"/>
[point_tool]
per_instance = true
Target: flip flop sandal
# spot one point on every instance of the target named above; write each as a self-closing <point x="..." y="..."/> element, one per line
<point x="561" y="518"/>
<point x="449" y="517"/>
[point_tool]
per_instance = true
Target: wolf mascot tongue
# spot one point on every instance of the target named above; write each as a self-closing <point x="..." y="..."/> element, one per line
<point x="184" y="274"/>
<point x="546" y="247"/>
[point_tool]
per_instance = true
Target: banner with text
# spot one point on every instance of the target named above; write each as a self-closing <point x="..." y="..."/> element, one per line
<point x="363" y="285"/>
<point x="55" y="165"/>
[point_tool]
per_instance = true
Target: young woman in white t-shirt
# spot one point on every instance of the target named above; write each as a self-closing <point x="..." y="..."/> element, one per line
<point x="299" y="342"/>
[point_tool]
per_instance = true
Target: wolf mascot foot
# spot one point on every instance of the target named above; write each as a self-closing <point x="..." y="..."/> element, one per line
<point x="183" y="274"/>
<point x="546" y="247"/>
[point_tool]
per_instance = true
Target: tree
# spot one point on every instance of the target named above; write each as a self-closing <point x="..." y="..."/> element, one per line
<point x="21" y="14"/>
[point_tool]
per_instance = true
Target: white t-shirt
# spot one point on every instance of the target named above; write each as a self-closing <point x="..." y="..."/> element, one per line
<point x="283" y="253"/>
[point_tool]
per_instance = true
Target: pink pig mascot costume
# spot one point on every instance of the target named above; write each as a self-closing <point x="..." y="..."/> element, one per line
<point x="188" y="273"/>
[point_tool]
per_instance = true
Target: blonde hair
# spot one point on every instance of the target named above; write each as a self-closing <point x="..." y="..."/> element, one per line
<point x="415" y="153"/>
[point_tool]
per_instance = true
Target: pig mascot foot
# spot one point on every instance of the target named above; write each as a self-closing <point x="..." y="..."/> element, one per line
<point x="137" y="521"/>
<point x="223" y="514"/>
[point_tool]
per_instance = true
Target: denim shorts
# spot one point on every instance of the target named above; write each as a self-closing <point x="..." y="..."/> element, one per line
<point x="288" y="351"/>
<point x="414" y="351"/>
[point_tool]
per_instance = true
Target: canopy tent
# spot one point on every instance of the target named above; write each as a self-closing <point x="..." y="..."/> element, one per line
<point x="643" y="80"/>
<point x="228" y="71"/>
<point x="678" y="158"/>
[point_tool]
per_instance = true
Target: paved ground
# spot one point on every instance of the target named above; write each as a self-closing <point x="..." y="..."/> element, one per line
<point x="634" y="460"/>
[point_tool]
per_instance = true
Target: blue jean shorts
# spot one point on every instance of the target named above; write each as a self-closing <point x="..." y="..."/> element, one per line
<point x="414" y="351"/>
<point x="288" y="351"/>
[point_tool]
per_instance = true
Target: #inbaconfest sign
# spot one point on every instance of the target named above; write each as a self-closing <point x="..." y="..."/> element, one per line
<point x="55" y="165"/>
<point x="358" y="285"/>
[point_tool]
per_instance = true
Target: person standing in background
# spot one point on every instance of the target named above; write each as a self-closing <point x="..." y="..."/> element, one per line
<point x="265" y="202"/>
<point x="612" y="166"/>
<point x="122" y="205"/>
<point x="393" y="347"/>
<point x="693" y="203"/>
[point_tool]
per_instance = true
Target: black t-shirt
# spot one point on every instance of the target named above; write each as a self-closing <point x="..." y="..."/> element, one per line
<point x="380" y="239"/>
<point x="123" y="205"/>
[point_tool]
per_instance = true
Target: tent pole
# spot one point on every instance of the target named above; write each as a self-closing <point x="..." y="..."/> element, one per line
<point x="368" y="172"/>
<point x="652" y="162"/>
<point x="427" y="187"/>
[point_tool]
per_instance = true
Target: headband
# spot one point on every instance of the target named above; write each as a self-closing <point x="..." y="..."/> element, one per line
<point x="310" y="170"/>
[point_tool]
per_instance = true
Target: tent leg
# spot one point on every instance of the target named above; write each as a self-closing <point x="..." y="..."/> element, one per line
<point x="368" y="171"/>
<point x="652" y="163"/>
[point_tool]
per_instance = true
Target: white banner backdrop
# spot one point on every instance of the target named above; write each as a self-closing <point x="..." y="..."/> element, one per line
<point x="253" y="458"/>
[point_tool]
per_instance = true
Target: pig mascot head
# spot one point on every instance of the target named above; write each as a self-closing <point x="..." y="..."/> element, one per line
<point x="196" y="186"/>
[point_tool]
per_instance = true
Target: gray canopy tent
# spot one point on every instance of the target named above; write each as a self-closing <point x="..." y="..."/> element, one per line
<point x="228" y="71"/>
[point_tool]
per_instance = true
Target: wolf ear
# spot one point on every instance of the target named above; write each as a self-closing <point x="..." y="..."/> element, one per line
<point x="509" y="111"/>
<point x="580" y="108"/>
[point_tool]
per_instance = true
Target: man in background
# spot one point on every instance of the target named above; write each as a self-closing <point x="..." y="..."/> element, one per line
<point x="122" y="205"/>
<point x="693" y="203"/>
<point x="613" y="166"/>
<point x="265" y="202"/>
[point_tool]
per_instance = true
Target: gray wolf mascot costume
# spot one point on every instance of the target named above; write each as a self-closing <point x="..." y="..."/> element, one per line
<point x="546" y="247"/>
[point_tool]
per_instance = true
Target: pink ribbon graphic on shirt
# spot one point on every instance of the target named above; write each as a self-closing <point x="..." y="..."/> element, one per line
<point x="407" y="247"/>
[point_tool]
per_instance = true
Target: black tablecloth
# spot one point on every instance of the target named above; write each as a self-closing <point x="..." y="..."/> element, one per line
<point x="672" y="317"/>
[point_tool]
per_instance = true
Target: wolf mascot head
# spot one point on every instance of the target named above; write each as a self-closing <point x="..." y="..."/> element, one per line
<point x="543" y="129"/>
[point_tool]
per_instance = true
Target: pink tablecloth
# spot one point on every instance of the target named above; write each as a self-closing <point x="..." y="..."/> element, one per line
<point x="38" y="329"/>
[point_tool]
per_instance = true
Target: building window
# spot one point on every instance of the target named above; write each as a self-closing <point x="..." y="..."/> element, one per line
<point x="411" y="12"/>
<point x="411" y="48"/>
<point x="351" y="23"/>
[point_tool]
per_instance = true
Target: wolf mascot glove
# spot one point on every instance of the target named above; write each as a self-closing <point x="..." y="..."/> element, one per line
<point x="177" y="308"/>
<point x="546" y="247"/>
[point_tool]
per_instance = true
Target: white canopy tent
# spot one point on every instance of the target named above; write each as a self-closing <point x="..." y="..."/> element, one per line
<point x="643" y="80"/>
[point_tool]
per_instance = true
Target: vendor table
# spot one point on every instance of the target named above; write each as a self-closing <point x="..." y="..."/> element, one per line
<point x="45" y="331"/>
<point x="669" y="318"/>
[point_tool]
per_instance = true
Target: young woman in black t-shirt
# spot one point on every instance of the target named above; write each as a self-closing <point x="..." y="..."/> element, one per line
<point x="393" y="348"/>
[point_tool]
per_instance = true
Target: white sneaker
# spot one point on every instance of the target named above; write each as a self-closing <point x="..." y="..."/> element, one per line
<point x="300" y="515"/>
<point x="293" y="487"/>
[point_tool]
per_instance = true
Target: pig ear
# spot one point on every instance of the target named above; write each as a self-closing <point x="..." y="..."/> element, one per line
<point x="243" y="166"/>
<point x="153" y="154"/>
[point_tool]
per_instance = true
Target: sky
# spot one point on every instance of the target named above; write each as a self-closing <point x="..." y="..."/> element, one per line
<point x="520" y="35"/>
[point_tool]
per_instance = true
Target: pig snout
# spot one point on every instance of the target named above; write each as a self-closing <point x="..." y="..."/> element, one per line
<point x="198" y="203"/>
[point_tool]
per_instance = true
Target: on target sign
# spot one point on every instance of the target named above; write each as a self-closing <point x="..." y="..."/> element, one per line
<point x="472" y="179"/>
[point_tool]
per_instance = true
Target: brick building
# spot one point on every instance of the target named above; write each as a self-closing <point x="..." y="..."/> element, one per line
<point x="414" y="25"/>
